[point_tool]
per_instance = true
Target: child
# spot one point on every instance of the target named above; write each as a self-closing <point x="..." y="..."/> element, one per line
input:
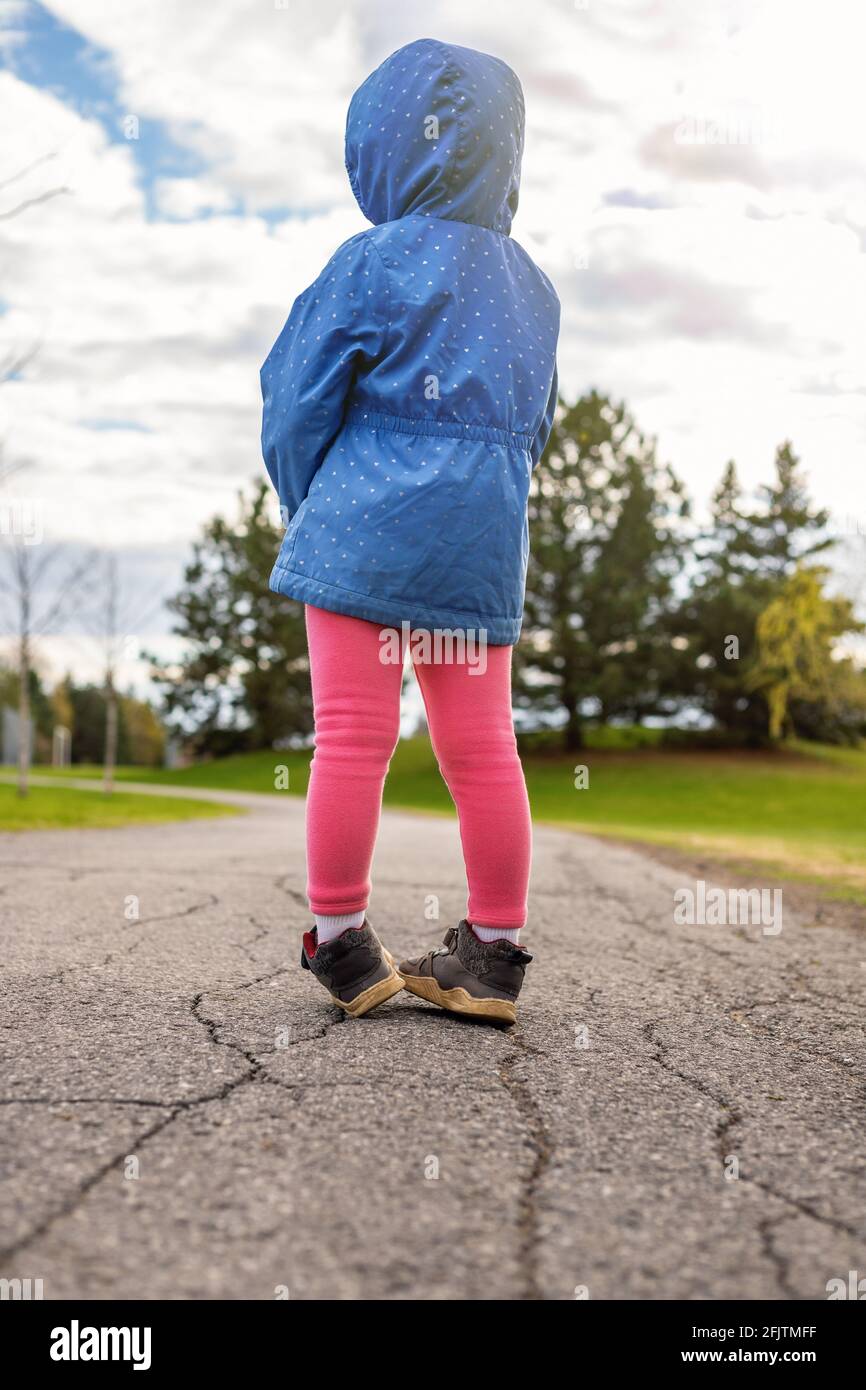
<point x="406" y="402"/>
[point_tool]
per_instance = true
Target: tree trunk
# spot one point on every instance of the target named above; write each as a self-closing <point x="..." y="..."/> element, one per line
<point x="573" y="727"/>
<point x="24" y="718"/>
<point x="110" y="736"/>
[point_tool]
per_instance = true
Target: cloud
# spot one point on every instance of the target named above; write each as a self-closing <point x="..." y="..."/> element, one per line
<point x="675" y="303"/>
<point x="632" y="198"/>
<point x="161" y="325"/>
<point x="258" y="94"/>
<point x="705" y="148"/>
<point x="719" y="287"/>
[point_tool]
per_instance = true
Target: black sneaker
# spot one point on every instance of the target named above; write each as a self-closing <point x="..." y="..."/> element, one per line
<point x="469" y="976"/>
<point x="355" y="968"/>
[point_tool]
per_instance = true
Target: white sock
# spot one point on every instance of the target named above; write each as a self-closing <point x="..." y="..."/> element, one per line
<point x="329" y="927"/>
<point x="511" y="934"/>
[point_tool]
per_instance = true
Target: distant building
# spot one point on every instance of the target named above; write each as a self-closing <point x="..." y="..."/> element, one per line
<point x="176" y="754"/>
<point x="61" y="746"/>
<point x="9" y="737"/>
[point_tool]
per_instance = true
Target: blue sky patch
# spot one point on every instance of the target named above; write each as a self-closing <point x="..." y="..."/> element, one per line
<point x="56" y="58"/>
<point x="106" y="423"/>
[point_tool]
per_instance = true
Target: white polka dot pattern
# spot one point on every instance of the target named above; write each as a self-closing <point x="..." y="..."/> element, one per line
<point x="412" y="388"/>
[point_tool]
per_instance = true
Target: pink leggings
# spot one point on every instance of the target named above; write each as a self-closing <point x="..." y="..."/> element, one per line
<point x="357" y="706"/>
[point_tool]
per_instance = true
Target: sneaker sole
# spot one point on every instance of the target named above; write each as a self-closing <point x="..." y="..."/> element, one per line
<point x="459" y="1000"/>
<point x="376" y="994"/>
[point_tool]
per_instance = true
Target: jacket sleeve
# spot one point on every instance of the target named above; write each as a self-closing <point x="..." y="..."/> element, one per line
<point x="542" y="434"/>
<point x="335" y="328"/>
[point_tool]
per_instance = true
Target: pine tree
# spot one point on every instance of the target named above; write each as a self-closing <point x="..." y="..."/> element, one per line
<point x="745" y="558"/>
<point x="784" y="528"/>
<point x="243" y="681"/>
<point x="715" y="625"/>
<point x="606" y="544"/>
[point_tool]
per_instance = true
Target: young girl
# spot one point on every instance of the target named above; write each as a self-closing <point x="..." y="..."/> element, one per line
<point x="406" y="402"/>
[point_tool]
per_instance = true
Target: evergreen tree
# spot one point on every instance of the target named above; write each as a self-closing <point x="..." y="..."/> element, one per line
<point x="743" y="560"/>
<point x="243" y="681"/>
<point x="784" y="528"/>
<point x="715" y="625"/>
<point x="606" y="544"/>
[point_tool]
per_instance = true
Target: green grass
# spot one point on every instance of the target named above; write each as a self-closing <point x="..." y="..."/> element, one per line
<point x="45" y="808"/>
<point x="796" y="814"/>
<point x="799" y="811"/>
<point x="245" y="772"/>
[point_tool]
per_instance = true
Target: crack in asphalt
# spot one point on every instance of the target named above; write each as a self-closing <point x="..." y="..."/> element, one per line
<point x="644" y="921"/>
<point x="834" y="1223"/>
<point x="261" y="931"/>
<point x="263" y="979"/>
<point x="76" y="967"/>
<point x="212" y="1027"/>
<point x="85" y="1100"/>
<point x="661" y="1057"/>
<point x="533" y="1132"/>
<point x="76" y="1197"/>
<point x="764" y="1029"/>
<point x="175" y="1109"/>
<point x="211" y="901"/>
<point x="727" y="1123"/>
<point x="774" y="1256"/>
<point x="281" y="883"/>
<point x="805" y="984"/>
<point x="541" y="1145"/>
<point x="254" y="1073"/>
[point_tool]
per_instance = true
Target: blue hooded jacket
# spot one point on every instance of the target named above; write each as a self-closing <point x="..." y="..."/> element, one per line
<point x="413" y="387"/>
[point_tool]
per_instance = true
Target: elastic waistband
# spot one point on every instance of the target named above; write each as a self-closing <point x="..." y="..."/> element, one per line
<point x="448" y="429"/>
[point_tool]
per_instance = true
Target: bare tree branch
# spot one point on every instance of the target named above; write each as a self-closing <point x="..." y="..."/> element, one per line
<point x="28" y="168"/>
<point x="16" y="362"/>
<point x="34" y="202"/>
<point x="117" y="617"/>
<point x="27" y="573"/>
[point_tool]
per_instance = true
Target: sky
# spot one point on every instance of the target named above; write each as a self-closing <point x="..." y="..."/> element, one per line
<point x="171" y="177"/>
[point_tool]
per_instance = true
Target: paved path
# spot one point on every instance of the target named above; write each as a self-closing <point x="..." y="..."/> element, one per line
<point x="277" y="1144"/>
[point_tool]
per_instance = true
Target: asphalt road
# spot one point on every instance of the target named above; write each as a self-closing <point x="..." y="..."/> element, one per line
<point x="184" y="1115"/>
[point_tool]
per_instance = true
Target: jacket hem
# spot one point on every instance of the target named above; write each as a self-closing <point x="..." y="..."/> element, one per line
<point x="501" y="632"/>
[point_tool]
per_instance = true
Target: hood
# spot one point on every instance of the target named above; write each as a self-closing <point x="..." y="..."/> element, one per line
<point x="437" y="130"/>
